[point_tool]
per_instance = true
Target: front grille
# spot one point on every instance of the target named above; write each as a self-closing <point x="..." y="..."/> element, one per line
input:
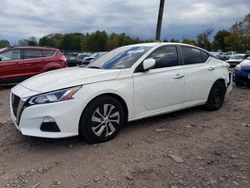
<point x="15" y="102"/>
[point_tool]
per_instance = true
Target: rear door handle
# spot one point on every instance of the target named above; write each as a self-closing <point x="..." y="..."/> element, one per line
<point x="210" y="68"/>
<point x="178" y="76"/>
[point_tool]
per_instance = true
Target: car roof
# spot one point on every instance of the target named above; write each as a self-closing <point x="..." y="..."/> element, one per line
<point x="32" y="47"/>
<point x="155" y="44"/>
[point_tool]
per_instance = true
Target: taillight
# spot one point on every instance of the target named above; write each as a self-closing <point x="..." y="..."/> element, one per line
<point x="63" y="58"/>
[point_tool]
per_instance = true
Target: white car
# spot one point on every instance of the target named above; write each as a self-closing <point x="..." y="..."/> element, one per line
<point x="126" y="84"/>
<point x="237" y="59"/>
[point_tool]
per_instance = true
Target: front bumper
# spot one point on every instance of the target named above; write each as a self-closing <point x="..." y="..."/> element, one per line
<point x="242" y="76"/>
<point x="29" y="120"/>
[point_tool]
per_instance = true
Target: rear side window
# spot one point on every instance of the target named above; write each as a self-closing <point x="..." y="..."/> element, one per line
<point x="193" y="55"/>
<point x="48" y="53"/>
<point x="31" y="54"/>
<point x="165" y="56"/>
<point x="10" y="55"/>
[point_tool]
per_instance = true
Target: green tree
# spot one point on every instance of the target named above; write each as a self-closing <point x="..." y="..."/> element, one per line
<point x="189" y="41"/>
<point x="203" y="39"/>
<point x="72" y="42"/>
<point x="31" y="41"/>
<point x="219" y="42"/>
<point x="4" y="43"/>
<point x="174" y="40"/>
<point x="97" y="41"/>
<point x="117" y="40"/>
<point x="52" y="40"/>
<point x="239" y="40"/>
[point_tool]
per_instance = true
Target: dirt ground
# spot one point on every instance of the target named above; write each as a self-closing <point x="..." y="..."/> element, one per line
<point x="190" y="148"/>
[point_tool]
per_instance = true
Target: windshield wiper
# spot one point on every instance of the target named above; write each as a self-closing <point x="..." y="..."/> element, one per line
<point x="94" y="67"/>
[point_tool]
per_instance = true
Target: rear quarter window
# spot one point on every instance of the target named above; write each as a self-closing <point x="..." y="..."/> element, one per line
<point x="193" y="55"/>
<point x="48" y="53"/>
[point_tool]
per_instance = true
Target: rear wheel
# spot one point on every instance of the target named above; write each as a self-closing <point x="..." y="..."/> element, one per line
<point x="102" y="119"/>
<point x="216" y="96"/>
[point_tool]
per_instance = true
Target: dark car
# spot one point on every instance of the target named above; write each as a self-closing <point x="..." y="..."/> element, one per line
<point x="82" y="56"/>
<point x="242" y="73"/>
<point x="93" y="57"/>
<point x="19" y="63"/>
<point x="72" y="60"/>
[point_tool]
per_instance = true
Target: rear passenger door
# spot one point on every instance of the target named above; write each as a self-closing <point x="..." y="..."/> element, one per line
<point x="199" y="74"/>
<point x="33" y="61"/>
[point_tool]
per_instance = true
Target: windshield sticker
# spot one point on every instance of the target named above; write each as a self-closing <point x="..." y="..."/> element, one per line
<point x="136" y="51"/>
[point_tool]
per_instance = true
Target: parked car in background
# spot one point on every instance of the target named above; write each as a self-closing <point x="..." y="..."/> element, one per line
<point x="93" y="57"/>
<point x="19" y="63"/>
<point x="229" y="54"/>
<point x="72" y="59"/>
<point x="129" y="83"/>
<point x="82" y="56"/>
<point x="236" y="59"/>
<point x="242" y="73"/>
<point x="216" y="54"/>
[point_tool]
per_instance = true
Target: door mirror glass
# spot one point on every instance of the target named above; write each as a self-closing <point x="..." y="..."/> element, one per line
<point x="148" y="64"/>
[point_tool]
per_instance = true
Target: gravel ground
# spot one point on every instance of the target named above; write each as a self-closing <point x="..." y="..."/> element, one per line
<point x="190" y="148"/>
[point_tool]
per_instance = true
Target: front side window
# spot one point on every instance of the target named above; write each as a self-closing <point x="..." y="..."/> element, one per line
<point x="165" y="56"/>
<point x="10" y="55"/>
<point x="31" y="54"/>
<point x="193" y="55"/>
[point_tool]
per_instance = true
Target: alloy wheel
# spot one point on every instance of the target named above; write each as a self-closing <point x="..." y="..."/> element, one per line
<point x="104" y="120"/>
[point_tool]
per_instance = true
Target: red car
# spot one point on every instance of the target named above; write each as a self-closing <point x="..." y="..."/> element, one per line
<point x="19" y="63"/>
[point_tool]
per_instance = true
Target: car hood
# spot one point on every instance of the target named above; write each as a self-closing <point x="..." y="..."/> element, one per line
<point x="234" y="60"/>
<point x="68" y="77"/>
<point x="245" y="63"/>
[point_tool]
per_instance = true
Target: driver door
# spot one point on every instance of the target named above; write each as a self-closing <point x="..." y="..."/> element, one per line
<point x="160" y="89"/>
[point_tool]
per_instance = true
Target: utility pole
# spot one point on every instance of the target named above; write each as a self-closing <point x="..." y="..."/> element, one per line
<point x="159" y="22"/>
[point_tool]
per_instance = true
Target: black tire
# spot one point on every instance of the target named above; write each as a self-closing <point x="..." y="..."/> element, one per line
<point x="95" y="124"/>
<point x="239" y="84"/>
<point x="216" y="96"/>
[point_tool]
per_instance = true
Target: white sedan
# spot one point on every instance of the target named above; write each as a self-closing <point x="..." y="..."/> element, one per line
<point x="126" y="84"/>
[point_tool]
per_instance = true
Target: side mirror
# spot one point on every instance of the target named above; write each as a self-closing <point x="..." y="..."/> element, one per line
<point x="148" y="64"/>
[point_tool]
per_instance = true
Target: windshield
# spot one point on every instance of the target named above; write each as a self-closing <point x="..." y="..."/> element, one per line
<point x="120" y="58"/>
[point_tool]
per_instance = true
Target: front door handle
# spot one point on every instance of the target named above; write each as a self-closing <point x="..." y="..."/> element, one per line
<point x="210" y="68"/>
<point x="178" y="76"/>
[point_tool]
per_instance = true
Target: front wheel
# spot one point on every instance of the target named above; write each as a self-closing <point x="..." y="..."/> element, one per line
<point x="216" y="96"/>
<point x="102" y="119"/>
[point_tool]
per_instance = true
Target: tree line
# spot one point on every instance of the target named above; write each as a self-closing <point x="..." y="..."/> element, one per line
<point x="236" y="38"/>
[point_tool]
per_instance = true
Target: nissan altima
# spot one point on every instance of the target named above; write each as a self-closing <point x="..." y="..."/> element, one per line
<point x="129" y="83"/>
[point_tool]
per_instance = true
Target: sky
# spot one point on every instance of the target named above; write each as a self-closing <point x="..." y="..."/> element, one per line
<point x="21" y="19"/>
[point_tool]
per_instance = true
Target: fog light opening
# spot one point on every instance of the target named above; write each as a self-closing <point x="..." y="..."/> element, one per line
<point x="49" y="125"/>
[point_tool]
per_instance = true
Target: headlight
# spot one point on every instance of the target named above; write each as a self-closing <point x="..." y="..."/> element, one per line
<point x="54" y="96"/>
<point x="238" y="67"/>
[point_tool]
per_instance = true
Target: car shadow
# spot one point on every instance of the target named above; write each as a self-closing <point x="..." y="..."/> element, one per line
<point x="6" y="87"/>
